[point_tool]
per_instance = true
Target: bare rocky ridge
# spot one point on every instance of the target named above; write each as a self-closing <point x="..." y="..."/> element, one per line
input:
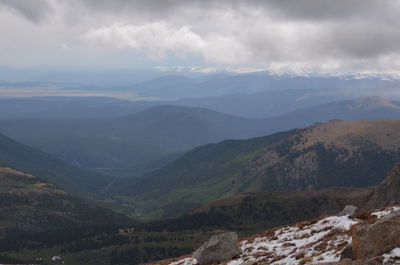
<point x="387" y="193"/>
<point x="383" y="133"/>
<point x="300" y="161"/>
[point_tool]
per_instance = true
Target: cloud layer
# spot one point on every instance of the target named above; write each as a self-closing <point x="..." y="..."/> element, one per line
<point x="291" y="35"/>
<point x="36" y="11"/>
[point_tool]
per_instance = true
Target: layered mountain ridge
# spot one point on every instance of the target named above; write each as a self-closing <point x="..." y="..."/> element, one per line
<point x="137" y="141"/>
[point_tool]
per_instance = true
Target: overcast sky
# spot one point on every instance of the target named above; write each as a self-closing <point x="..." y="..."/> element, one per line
<point x="282" y="35"/>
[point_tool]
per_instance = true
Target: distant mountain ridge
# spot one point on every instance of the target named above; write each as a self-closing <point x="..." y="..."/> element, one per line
<point x="265" y="104"/>
<point x="69" y="107"/>
<point x="139" y="139"/>
<point x="251" y="105"/>
<point x="174" y="87"/>
<point x="131" y="140"/>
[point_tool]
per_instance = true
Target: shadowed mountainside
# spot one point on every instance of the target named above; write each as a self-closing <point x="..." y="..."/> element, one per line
<point x="32" y="161"/>
<point x="34" y="211"/>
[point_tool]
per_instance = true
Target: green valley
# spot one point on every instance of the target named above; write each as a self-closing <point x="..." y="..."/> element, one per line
<point x="330" y="154"/>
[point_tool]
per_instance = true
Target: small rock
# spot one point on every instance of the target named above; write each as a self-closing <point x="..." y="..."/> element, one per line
<point x="288" y="244"/>
<point x="218" y="248"/>
<point x="349" y="210"/>
<point x="347" y="253"/>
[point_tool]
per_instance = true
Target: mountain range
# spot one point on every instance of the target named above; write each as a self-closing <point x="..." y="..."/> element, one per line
<point x="131" y="140"/>
<point x="69" y="107"/>
<point x="335" y="153"/>
<point x="178" y="86"/>
<point x="175" y="84"/>
<point x="257" y="105"/>
<point x="40" y="220"/>
<point x="154" y="137"/>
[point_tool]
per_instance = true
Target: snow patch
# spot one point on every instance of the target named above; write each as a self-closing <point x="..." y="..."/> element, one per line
<point x="315" y="242"/>
<point x="392" y="256"/>
<point x="386" y="211"/>
<point x="186" y="261"/>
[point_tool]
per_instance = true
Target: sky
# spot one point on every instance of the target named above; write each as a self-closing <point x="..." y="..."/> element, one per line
<point x="297" y="36"/>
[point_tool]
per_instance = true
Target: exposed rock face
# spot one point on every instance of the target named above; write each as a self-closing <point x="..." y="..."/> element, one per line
<point x="377" y="238"/>
<point x="349" y="210"/>
<point x="218" y="248"/>
<point x="388" y="192"/>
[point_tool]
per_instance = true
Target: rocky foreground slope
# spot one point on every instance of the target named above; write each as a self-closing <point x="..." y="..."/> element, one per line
<point x="363" y="237"/>
<point x="366" y="238"/>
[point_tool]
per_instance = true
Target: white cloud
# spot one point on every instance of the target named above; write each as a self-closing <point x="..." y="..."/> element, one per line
<point x="156" y="39"/>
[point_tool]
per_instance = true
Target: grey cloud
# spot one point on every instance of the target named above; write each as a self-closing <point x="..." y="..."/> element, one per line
<point x="328" y="34"/>
<point x="363" y="41"/>
<point x="35" y="10"/>
<point x="327" y="9"/>
<point x="344" y="31"/>
<point x="288" y="9"/>
<point x="135" y="6"/>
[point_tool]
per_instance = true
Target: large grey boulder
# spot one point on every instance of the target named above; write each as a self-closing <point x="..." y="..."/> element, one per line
<point x="218" y="248"/>
<point x="349" y="210"/>
<point x="375" y="239"/>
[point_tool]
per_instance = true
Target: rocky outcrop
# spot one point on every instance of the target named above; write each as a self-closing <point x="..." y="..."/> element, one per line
<point x="378" y="238"/>
<point x="218" y="248"/>
<point x="388" y="192"/>
<point x="349" y="210"/>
